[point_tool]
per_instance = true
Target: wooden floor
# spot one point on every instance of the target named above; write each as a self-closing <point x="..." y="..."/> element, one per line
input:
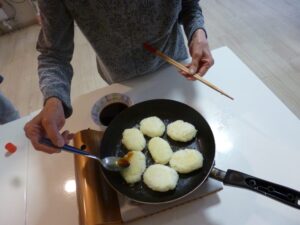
<point x="264" y="34"/>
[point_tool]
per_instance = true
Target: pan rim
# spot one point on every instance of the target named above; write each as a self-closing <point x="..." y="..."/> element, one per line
<point x="157" y="203"/>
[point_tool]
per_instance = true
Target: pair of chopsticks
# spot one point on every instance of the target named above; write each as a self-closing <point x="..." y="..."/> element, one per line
<point x="183" y="68"/>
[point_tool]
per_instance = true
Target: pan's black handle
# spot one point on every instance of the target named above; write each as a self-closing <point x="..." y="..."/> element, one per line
<point x="278" y="192"/>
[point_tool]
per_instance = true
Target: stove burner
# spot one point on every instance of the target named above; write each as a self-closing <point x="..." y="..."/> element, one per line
<point x="110" y="112"/>
<point x="108" y="107"/>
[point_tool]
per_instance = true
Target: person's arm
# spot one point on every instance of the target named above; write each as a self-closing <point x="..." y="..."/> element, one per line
<point x="192" y="20"/>
<point x="191" y="17"/>
<point x="56" y="44"/>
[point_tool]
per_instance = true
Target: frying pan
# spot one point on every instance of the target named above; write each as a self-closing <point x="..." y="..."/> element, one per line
<point x="169" y="111"/>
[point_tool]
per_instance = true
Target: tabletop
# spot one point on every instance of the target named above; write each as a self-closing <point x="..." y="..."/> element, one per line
<point x="256" y="134"/>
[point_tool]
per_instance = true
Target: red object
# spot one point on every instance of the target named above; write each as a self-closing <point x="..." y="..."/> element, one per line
<point x="10" y="147"/>
<point x="149" y="48"/>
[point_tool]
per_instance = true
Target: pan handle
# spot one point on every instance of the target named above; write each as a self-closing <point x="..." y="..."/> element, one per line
<point x="278" y="192"/>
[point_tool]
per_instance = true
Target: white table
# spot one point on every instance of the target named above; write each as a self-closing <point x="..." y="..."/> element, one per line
<point x="255" y="134"/>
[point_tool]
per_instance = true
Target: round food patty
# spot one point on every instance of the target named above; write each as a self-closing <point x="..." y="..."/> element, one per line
<point x="160" y="150"/>
<point x="133" y="139"/>
<point x="134" y="172"/>
<point x="186" y="161"/>
<point x="152" y="126"/>
<point x="181" y="131"/>
<point x="160" y="178"/>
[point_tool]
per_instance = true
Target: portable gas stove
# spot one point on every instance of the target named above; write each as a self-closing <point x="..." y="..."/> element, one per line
<point x="98" y="202"/>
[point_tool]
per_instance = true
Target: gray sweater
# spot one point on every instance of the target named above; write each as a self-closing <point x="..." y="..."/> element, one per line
<point x="116" y="30"/>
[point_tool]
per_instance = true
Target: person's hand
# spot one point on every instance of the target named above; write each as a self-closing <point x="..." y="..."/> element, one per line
<point x="48" y="124"/>
<point x="202" y="59"/>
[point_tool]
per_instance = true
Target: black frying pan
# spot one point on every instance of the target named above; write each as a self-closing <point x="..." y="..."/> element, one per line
<point x="169" y="111"/>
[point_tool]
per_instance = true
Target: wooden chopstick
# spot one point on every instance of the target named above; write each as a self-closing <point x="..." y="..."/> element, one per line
<point x="183" y="68"/>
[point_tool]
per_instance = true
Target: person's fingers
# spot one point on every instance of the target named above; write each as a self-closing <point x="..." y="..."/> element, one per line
<point x="203" y="69"/>
<point x="191" y="78"/>
<point x="184" y="73"/>
<point x="34" y="133"/>
<point x="193" y="68"/>
<point x="47" y="124"/>
<point x="207" y="63"/>
<point x="201" y="62"/>
<point x="187" y="75"/>
<point x="52" y="132"/>
<point x="44" y="148"/>
<point x="67" y="136"/>
<point x="71" y="136"/>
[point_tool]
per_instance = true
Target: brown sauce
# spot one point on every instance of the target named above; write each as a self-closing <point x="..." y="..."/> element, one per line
<point x="124" y="162"/>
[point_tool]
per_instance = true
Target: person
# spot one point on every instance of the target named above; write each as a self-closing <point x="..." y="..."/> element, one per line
<point x="117" y="31"/>
<point x="8" y="112"/>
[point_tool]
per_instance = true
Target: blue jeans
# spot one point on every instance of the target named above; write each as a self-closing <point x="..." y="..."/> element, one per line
<point x="7" y="110"/>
